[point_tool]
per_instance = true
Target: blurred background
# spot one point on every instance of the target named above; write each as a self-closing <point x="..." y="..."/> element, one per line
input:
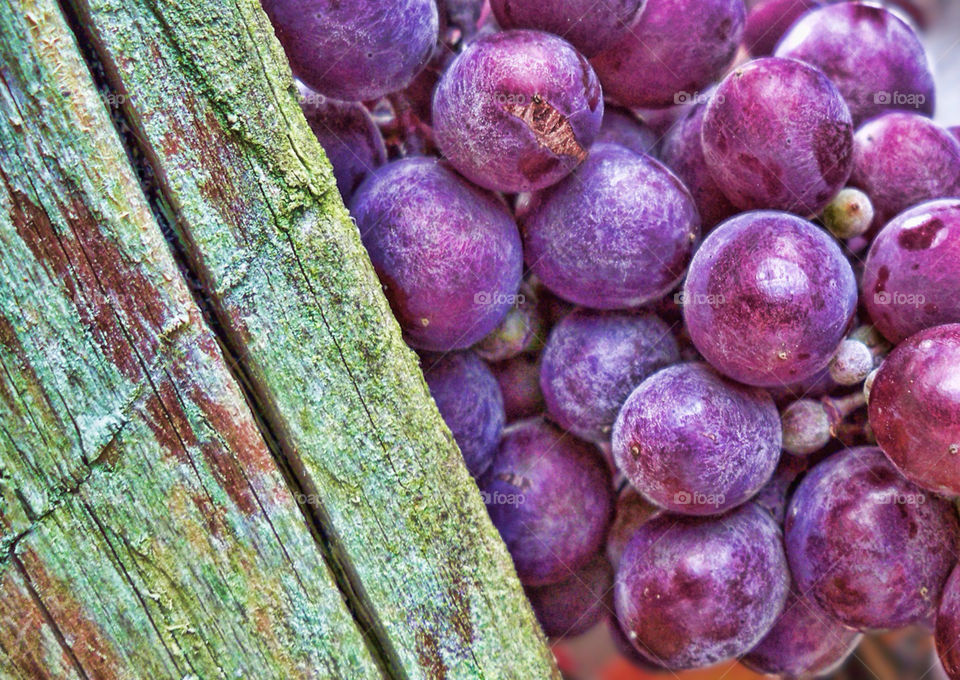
<point x="901" y="655"/>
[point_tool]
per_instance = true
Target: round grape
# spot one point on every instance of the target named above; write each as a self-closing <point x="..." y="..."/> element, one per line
<point x="693" y="591"/>
<point x="551" y="497"/>
<point x="517" y="111"/>
<point x="355" y="50"/>
<point x="588" y="25"/>
<point x="871" y="55"/>
<point x="696" y="443"/>
<point x="448" y="254"/>
<point x="915" y="408"/>
<point x="593" y="360"/>
<point x="616" y="234"/>
<point x="871" y="548"/>
<point x="519" y="380"/>
<point x="902" y="159"/>
<point x="674" y="49"/>
<point x="777" y="134"/>
<point x="768" y="298"/>
<point x="911" y="280"/>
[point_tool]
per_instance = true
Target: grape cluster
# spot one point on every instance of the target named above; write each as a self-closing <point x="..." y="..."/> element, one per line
<point x="684" y="281"/>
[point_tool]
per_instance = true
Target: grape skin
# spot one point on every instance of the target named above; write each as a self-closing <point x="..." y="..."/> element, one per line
<point x="872" y="549"/>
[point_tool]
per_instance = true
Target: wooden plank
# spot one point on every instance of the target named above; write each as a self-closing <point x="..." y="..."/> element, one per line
<point x="207" y="89"/>
<point x="148" y="530"/>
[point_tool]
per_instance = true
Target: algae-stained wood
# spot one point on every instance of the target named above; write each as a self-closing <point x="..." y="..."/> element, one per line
<point x="148" y="531"/>
<point x="209" y="91"/>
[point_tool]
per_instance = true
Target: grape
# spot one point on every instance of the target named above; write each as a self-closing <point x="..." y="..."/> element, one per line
<point x="448" y="255"/>
<point x="355" y="50"/>
<point x="849" y="214"/>
<point x="901" y="159"/>
<point x="871" y="548"/>
<point x="915" y="408"/>
<point x="768" y="20"/>
<point x="593" y="360"/>
<point x="470" y="402"/>
<point x="521" y="330"/>
<point x="768" y="298"/>
<point x="775" y="495"/>
<point x="804" y="642"/>
<point x="696" y="443"/>
<point x="576" y="604"/>
<point x="551" y="497"/>
<point x="948" y="626"/>
<point x="616" y="234"/>
<point x="692" y="591"/>
<point x="624" y="128"/>
<point x="589" y="26"/>
<point x="631" y="512"/>
<point x="777" y="134"/>
<point x="348" y="135"/>
<point x="519" y="380"/>
<point x="675" y="48"/>
<point x="517" y="111"/>
<point x="871" y="55"/>
<point x="852" y="363"/>
<point x="682" y="152"/>
<point x="911" y="280"/>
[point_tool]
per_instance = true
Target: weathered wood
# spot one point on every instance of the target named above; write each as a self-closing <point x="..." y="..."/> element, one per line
<point x="148" y="532"/>
<point x="208" y="91"/>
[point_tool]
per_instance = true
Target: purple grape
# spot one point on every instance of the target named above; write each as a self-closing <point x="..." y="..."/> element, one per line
<point x="871" y="55"/>
<point x="631" y="512"/>
<point x="911" y="280"/>
<point x="692" y="591"/>
<point x="551" y="497"/>
<point x="674" y="49"/>
<point x="624" y="128"/>
<point x="589" y="26"/>
<point x="915" y="408"/>
<point x="682" y="152"/>
<point x="357" y="50"/>
<point x="768" y="20"/>
<point x="804" y="642"/>
<point x="470" y="402"/>
<point x="696" y="443"/>
<point x="777" y="134"/>
<point x="902" y="159"/>
<point x="768" y="298"/>
<point x="593" y="360"/>
<point x="948" y="626"/>
<point x="576" y="604"/>
<point x="775" y="495"/>
<point x="348" y="135"/>
<point x="519" y="380"/>
<point x="448" y="254"/>
<point x="616" y="234"/>
<point x="871" y="548"/>
<point x="517" y="111"/>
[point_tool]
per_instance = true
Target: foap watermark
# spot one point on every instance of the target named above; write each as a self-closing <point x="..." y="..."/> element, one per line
<point x="497" y="298"/>
<point x="685" y="299"/>
<point x="901" y="99"/>
<point x="684" y="97"/>
<point x="714" y="500"/>
<point x="897" y="498"/>
<point x="886" y="297"/>
<point x="500" y="498"/>
<point x="511" y="99"/>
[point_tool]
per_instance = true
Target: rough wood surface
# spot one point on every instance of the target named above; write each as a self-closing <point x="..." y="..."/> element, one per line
<point x="147" y="531"/>
<point x="207" y="88"/>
